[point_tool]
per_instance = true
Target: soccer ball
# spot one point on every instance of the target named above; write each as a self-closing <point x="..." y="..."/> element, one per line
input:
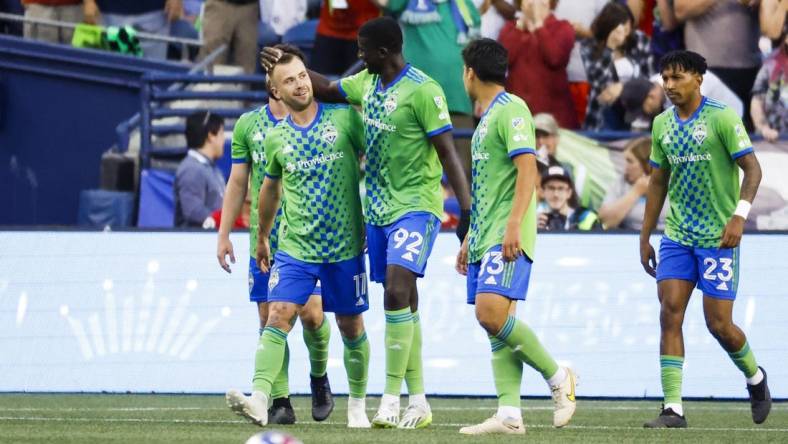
<point x="273" y="437"/>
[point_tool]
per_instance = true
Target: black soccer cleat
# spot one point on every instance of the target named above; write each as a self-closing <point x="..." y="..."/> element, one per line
<point x="322" y="400"/>
<point x="760" y="400"/>
<point x="667" y="419"/>
<point x="281" y="412"/>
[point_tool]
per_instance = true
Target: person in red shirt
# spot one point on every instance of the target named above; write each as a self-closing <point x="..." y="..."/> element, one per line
<point x="336" y="48"/>
<point x="539" y="46"/>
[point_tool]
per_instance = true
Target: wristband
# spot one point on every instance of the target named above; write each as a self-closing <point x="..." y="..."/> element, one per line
<point x="743" y="209"/>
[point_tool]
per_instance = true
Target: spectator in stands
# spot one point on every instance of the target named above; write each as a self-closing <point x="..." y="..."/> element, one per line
<point x="625" y="203"/>
<point x="539" y="46"/>
<point x="277" y="17"/>
<point x="562" y="212"/>
<point x="726" y="32"/>
<point x="643" y="98"/>
<point x="199" y="183"/>
<point x="615" y="54"/>
<point x="769" y="108"/>
<point x="667" y="34"/>
<point x="580" y="13"/>
<point x="232" y="23"/>
<point x="547" y="137"/>
<point x="150" y="16"/>
<point x="58" y="10"/>
<point x="336" y="46"/>
<point x="494" y="14"/>
<point x="435" y="32"/>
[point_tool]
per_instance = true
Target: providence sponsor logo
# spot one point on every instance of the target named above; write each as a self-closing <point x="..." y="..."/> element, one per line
<point x="673" y="159"/>
<point x="319" y="160"/>
<point x="379" y="125"/>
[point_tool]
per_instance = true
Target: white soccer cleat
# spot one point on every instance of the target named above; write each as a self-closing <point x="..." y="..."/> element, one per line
<point x="387" y="416"/>
<point x="416" y="416"/>
<point x="496" y="426"/>
<point x="357" y="414"/>
<point x="564" y="399"/>
<point x="254" y="408"/>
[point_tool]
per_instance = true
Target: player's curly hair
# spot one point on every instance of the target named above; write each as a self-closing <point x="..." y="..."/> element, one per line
<point x="383" y="32"/>
<point x="488" y="59"/>
<point x="686" y="61"/>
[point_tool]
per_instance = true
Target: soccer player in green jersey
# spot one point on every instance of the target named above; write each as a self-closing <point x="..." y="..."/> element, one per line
<point x="698" y="146"/>
<point x="248" y="159"/>
<point x="312" y="161"/>
<point x="408" y="138"/>
<point x="498" y="253"/>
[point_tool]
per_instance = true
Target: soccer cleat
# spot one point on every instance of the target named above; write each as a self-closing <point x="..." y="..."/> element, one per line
<point x="564" y="399"/>
<point x="281" y="412"/>
<point x="357" y="414"/>
<point x="760" y="400"/>
<point x="415" y="417"/>
<point x="495" y="425"/>
<point x="322" y="400"/>
<point x="252" y="407"/>
<point x="387" y="417"/>
<point x="667" y="419"/>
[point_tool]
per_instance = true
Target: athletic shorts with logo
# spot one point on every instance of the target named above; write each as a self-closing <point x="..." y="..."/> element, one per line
<point x="343" y="284"/>
<point x="714" y="271"/>
<point x="495" y="275"/>
<point x="258" y="283"/>
<point x="407" y="242"/>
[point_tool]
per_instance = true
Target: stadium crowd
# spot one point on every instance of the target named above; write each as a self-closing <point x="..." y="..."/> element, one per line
<point x="579" y="64"/>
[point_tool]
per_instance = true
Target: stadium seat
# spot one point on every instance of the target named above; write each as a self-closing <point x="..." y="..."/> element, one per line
<point x="303" y="36"/>
<point x="157" y="200"/>
<point x="101" y="208"/>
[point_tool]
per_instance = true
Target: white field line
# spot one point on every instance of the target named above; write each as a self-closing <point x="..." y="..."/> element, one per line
<point x="333" y="423"/>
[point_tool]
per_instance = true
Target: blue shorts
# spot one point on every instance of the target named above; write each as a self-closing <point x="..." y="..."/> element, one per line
<point x="715" y="271"/>
<point x="494" y="275"/>
<point x="258" y="283"/>
<point x="344" y="284"/>
<point x="407" y="242"/>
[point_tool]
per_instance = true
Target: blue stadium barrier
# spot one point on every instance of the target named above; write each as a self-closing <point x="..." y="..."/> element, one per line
<point x="103" y="208"/>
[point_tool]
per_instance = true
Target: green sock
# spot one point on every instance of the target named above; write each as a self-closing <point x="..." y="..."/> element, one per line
<point x="357" y="365"/>
<point x="317" y="345"/>
<point x="670" y="369"/>
<point x="398" y="339"/>
<point x="507" y="372"/>
<point x="281" y="387"/>
<point x="414" y="375"/>
<point x="527" y="347"/>
<point x="745" y="360"/>
<point x="268" y="359"/>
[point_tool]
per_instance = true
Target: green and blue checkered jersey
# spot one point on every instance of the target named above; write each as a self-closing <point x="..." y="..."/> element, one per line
<point x="248" y="136"/>
<point x="506" y="130"/>
<point x="403" y="172"/>
<point x="701" y="154"/>
<point x="319" y="169"/>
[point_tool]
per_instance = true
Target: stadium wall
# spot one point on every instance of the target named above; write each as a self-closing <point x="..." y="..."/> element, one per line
<point x="152" y="312"/>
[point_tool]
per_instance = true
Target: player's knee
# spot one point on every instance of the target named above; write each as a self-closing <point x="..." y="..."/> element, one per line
<point x="490" y="320"/>
<point x="351" y="327"/>
<point x="281" y="316"/>
<point x="312" y="316"/>
<point x="719" y="328"/>
<point x="396" y="296"/>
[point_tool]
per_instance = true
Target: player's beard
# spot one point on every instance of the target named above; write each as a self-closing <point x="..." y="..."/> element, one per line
<point x="297" y="105"/>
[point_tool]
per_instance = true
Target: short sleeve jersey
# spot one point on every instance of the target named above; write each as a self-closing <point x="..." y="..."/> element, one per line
<point x="704" y="180"/>
<point x="248" y="136"/>
<point x="506" y="130"/>
<point x="318" y="165"/>
<point x="403" y="172"/>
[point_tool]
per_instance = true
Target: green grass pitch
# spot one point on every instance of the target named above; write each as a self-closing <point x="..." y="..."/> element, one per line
<point x="44" y="418"/>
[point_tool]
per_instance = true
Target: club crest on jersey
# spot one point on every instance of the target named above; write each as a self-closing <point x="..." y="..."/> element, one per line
<point x="274" y="279"/>
<point x="330" y="134"/>
<point x="699" y="133"/>
<point x="518" y="123"/>
<point x="390" y="105"/>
